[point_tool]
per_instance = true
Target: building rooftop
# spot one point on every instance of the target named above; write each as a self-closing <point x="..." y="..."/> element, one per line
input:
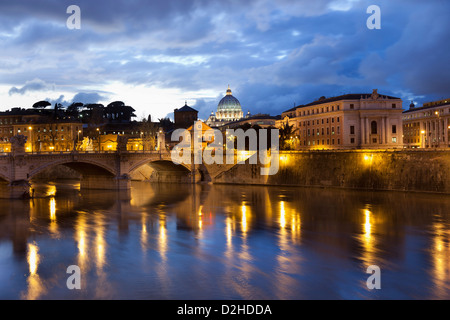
<point x="428" y="105"/>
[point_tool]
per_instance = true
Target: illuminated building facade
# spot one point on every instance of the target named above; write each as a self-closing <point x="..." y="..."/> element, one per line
<point x="43" y="134"/>
<point x="427" y="126"/>
<point x="351" y="121"/>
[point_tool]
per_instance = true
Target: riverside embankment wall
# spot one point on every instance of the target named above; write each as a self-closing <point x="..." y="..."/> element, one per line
<point x="404" y="170"/>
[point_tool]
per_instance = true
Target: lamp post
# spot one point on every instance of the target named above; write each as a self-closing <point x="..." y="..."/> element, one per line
<point x="423" y="138"/>
<point x="437" y="129"/>
<point x="31" y="138"/>
<point x="98" y="130"/>
<point x="78" y="137"/>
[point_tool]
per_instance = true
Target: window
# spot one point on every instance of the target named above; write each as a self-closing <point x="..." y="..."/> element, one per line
<point x="338" y="130"/>
<point x="339" y="141"/>
<point x="373" y="126"/>
<point x="394" y="128"/>
<point x="352" y="106"/>
<point x="394" y="140"/>
<point x="393" y="106"/>
<point x="352" y="140"/>
<point x="352" y="129"/>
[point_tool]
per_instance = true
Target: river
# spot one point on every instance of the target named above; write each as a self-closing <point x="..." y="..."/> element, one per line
<point x="174" y="241"/>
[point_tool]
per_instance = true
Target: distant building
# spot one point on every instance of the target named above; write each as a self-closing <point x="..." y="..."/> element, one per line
<point x="261" y="120"/>
<point x="44" y="132"/>
<point x="185" y="116"/>
<point x="229" y="109"/>
<point x="427" y="126"/>
<point x="346" y="122"/>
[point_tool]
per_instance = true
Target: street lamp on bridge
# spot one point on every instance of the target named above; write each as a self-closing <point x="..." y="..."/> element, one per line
<point x="31" y="137"/>
<point x="98" y="130"/>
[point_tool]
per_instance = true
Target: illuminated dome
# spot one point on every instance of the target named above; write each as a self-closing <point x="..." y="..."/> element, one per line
<point x="229" y="108"/>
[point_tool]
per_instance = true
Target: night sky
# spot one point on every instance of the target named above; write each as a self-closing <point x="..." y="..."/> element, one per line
<point x="154" y="55"/>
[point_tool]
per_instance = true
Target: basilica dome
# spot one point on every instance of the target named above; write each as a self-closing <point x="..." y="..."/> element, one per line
<point x="229" y="108"/>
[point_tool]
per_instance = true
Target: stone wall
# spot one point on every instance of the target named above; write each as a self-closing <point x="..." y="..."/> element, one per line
<point x="362" y="169"/>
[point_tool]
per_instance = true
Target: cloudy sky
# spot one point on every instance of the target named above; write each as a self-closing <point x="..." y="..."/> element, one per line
<point x="154" y="55"/>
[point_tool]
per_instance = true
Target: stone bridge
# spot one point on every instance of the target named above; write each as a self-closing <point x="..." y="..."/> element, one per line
<point x="104" y="170"/>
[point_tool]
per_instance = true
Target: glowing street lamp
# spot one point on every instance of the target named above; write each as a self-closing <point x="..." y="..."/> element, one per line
<point x="98" y="130"/>
<point x="31" y="137"/>
<point x="423" y="138"/>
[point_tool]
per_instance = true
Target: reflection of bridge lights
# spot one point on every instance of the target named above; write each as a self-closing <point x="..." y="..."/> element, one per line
<point x="52" y="209"/>
<point x="282" y="215"/>
<point x="33" y="258"/>
<point x="367" y="224"/>
<point x="244" y="218"/>
<point x="51" y="191"/>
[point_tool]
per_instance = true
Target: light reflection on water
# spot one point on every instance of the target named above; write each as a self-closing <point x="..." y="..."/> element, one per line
<point x="173" y="241"/>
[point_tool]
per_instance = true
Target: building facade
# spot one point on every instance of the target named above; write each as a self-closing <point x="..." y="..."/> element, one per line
<point x="43" y="133"/>
<point x="427" y="126"/>
<point x="185" y="116"/>
<point x="351" y="121"/>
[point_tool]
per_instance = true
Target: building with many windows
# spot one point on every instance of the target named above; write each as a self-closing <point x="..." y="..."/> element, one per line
<point x="350" y="121"/>
<point x="43" y="132"/>
<point x="427" y="126"/>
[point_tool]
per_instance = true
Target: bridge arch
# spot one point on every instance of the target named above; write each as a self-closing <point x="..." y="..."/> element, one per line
<point x="84" y="167"/>
<point x="160" y="171"/>
<point x="4" y="179"/>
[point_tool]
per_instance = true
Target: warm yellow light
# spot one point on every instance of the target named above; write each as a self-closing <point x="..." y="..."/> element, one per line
<point x="51" y="191"/>
<point x="244" y="218"/>
<point x="33" y="258"/>
<point x="52" y="209"/>
<point x="30" y="128"/>
<point x="366" y="158"/>
<point x="422" y="132"/>
<point x="282" y="215"/>
<point x="367" y="225"/>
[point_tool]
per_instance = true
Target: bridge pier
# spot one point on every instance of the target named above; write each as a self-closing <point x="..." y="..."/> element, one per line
<point x="15" y="190"/>
<point x="105" y="182"/>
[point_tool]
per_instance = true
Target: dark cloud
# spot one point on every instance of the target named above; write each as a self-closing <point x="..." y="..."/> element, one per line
<point x="273" y="53"/>
<point x="34" y="85"/>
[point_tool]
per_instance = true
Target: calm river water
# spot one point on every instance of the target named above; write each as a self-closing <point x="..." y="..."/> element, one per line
<point x="170" y="241"/>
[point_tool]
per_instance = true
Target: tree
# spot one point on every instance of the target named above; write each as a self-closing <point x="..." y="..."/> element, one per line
<point x="149" y="134"/>
<point x="41" y="104"/>
<point x="74" y="109"/>
<point x="287" y="133"/>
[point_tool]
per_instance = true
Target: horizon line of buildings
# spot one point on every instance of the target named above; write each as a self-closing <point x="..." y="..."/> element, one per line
<point x="350" y="121"/>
